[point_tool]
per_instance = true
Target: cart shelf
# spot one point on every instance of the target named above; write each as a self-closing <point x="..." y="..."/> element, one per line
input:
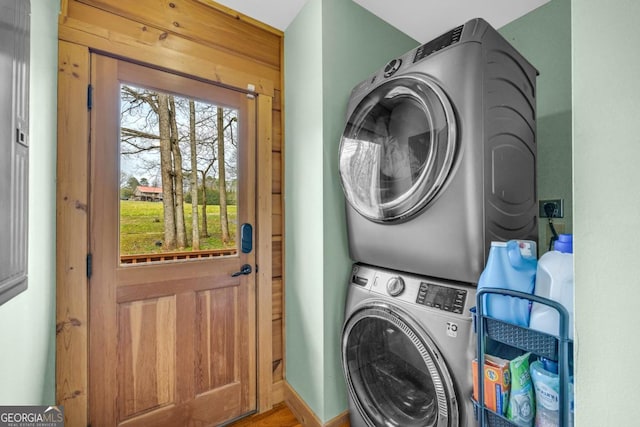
<point x="523" y="340"/>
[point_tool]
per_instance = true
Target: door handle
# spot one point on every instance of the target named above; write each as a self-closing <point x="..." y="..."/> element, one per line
<point x="244" y="270"/>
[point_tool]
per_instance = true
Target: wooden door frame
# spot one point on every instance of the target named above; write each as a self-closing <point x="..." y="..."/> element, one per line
<point x="75" y="43"/>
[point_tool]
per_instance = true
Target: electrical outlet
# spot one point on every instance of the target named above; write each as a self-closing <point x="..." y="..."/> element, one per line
<point x="558" y="208"/>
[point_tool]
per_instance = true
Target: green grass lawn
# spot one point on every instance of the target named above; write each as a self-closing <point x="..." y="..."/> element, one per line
<point x="142" y="225"/>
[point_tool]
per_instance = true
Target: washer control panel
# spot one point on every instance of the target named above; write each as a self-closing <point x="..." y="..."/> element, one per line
<point x="442" y="297"/>
<point x="435" y="294"/>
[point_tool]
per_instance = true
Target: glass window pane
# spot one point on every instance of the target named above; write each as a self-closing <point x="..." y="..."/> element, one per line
<point x="178" y="177"/>
<point x="396" y="149"/>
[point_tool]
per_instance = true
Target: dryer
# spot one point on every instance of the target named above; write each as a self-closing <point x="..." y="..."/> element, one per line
<point x="438" y="155"/>
<point x="407" y="347"/>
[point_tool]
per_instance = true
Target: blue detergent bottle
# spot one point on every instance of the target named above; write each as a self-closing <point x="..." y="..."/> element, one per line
<point x="511" y="265"/>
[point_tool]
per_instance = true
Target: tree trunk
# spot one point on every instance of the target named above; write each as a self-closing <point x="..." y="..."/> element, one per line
<point x="166" y="169"/>
<point x="222" y="182"/>
<point x="195" y="232"/>
<point x="205" y="229"/>
<point x="181" y="231"/>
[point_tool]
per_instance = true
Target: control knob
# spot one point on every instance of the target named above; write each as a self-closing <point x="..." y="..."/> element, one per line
<point x="392" y="67"/>
<point x="395" y="286"/>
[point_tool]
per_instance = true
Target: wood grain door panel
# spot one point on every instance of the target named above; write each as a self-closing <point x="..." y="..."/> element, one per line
<point x="147" y="355"/>
<point x="216" y="345"/>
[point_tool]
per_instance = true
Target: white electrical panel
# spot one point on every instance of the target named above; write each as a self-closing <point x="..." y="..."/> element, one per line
<point x="14" y="145"/>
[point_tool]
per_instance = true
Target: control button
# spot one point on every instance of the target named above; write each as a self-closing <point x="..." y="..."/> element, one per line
<point x="395" y="286"/>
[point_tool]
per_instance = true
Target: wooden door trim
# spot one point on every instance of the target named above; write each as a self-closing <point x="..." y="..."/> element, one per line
<point x="263" y="256"/>
<point x="72" y="200"/>
<point x="103" y="342"/>
<point x="72" y="341"/>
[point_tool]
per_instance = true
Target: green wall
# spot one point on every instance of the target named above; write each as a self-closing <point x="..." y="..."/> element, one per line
<point x="330" y="47"/>
<point x="543" y="36"/>
<point x="304" y="207"/>
<point x="606" y="151"/>
<point x="27" y="322"/>
<point x="589" y="94"/>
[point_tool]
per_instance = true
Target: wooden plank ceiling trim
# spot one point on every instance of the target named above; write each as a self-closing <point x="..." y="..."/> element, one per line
<point x="119" y="36"/>
<point x="241" y="17"/>
<point x="199" y="22"/>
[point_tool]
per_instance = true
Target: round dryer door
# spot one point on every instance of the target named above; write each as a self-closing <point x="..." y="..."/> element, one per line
<point x="394" y="373"/>
<point x="397" y="148"/>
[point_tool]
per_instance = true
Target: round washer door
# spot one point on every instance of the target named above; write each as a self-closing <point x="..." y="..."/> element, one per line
<point x="394" y="373"/>
<point x="397" y="148"/>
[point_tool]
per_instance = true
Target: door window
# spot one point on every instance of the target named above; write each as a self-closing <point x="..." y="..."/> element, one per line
<point x="178" y="177"/>
<point x="397" y="148"/>
<point x="391" y="371"/>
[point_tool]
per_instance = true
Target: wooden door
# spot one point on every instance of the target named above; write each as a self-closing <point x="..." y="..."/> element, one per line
<point x="172" y="336"/>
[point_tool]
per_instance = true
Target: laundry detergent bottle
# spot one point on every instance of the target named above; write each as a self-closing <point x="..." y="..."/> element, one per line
<point x="546" y="384"/>
<point x="510" y="265"/>
<point x="554" y="281"/>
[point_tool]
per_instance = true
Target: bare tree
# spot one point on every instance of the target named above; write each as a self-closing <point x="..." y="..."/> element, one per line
<point x="195" y="232"/>
<point x="178" y="181"/>
<point x="152" y="126"/>
<point x="208" y="163"/>
<point x="205" y="230"/>
<point x="166" y="172"/>
<point x="222" y="181"/>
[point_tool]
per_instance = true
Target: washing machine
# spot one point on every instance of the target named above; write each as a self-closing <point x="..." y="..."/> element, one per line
<point x="407" y="347"/>
<point x="438" y="155"/>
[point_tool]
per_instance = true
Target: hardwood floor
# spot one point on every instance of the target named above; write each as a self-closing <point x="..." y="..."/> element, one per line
<point x="279" y="416"/>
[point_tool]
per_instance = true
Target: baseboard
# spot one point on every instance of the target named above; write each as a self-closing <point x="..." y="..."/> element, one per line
<point x="277" y="392"/>
<point x="341" y="420"/>
<point x="305" y="415"/>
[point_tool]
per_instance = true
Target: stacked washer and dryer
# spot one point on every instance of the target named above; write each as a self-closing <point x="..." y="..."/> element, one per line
<point x="437" y="159"/>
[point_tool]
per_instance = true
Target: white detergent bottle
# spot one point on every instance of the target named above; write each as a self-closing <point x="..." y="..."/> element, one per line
<point x="554" y="281"/>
